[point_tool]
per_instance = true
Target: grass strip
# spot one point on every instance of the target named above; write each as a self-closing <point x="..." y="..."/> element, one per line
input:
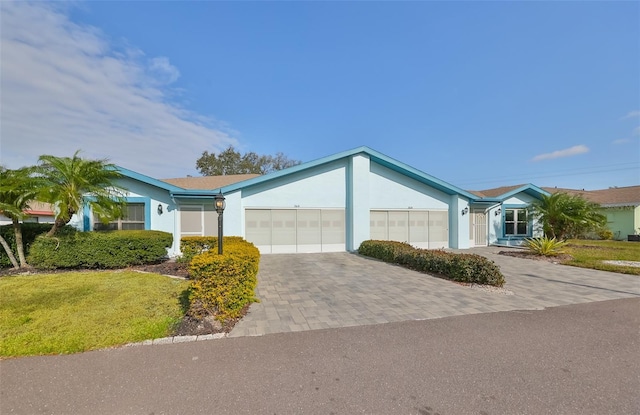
<point x="80" y="311"/>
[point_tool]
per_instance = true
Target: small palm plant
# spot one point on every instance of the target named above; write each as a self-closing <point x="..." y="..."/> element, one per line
<point x="545" y="246"/>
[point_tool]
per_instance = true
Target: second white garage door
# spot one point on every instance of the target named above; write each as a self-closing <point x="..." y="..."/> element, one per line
<point x="421" y="228"/>
<point x="295" y="230"/>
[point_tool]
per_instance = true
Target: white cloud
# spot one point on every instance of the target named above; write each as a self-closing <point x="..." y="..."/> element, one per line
<point x="163" y="70"/>
<point x="622" y="141"/>
<point x="631" y="114"/>
<point x="65" y="87"/>
<point x="567" y="152"/>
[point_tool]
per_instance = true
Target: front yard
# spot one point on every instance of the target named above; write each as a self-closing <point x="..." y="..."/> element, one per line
<point x="80" y="311"/>
<point x="591" y="254"/>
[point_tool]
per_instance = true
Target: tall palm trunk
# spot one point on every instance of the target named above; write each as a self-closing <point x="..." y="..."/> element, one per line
<point x="17" y="229"/>
<point x="9" y="252"/>
<point x="57" y="224"/>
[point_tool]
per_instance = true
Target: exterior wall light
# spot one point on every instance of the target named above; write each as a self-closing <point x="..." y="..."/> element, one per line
<point x="465" y="211"/>
<point x="160" y="209"/>
<point x="499" y="211"/>
<point x="220" y="204"/>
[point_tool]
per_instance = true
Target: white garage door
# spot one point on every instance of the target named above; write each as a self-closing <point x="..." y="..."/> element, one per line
<point x="295" y="230"/>
<point x="421" y="228"/>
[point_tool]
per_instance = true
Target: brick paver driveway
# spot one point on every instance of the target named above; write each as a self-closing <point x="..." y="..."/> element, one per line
<point x="315" y="291"/>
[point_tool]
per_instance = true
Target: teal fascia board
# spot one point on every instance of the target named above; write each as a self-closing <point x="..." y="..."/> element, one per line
<point x="148" y="180"/>
<point x="374" y="155"/>
<point x="530" y="189"/>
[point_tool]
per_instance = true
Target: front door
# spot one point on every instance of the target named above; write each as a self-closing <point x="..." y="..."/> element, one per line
<point x="479" y="228"/>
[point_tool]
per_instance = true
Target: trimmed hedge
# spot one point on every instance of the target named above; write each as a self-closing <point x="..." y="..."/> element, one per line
<point x="113" y="249"/>
<point x="29" y="233"/>
<point x="224" y="284"/>
<point x="191" y="246"/>
<point x="468" y="268"/>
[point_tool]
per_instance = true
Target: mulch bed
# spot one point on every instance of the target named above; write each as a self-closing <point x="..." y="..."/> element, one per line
<point x="558" y="259"/>
<point x="189" y="326"/>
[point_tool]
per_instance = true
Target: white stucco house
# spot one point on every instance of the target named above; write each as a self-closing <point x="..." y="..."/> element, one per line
<point x="329" y="204"/>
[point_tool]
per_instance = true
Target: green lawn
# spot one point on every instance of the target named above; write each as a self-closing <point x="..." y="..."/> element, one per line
<point x="79" y="311"/>
<point x="590" y="254"/>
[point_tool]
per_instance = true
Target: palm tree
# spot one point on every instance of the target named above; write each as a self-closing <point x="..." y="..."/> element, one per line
<point x="17" y="189"/>
<point x="563" y="215"/>
<point x="70" y="183"/>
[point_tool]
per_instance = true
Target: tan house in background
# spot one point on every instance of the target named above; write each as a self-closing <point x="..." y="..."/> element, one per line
<point x="621" y="205"/>
<point x="38" y="213"/>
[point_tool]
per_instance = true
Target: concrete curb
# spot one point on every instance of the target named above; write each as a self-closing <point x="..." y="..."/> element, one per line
<point x="178" y="339"/>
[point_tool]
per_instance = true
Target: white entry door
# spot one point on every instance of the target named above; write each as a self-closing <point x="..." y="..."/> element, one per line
<point x="478" y="229"/>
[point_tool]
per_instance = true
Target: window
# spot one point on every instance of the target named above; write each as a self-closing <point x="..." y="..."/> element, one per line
<point x="133" y="219"/>
<point x="516" y="222"/>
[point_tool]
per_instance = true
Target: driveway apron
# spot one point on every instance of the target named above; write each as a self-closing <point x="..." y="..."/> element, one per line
<point x="317" y="291"/>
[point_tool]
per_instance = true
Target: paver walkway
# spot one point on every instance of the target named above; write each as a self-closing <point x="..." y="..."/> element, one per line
<point x="315" y="291"/>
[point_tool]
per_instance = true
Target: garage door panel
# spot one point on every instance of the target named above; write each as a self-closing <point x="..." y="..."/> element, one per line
<point x="438" y="229"/>
<point x="296" y="230"/>
<point x="423" y="229"/>
<point x="283" y="234"/>
<point x="258" y="229"/>
<point x="378" y="224"/>
<point x="333" y="230"/>
<point x="399" y="226"/>
<point x="419" y="229"/>
<point x="309" y="237"/>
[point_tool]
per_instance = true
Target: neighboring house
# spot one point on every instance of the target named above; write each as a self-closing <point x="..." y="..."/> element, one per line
<point x="330" y="204"/>
<point x="38" y="213"/>
<point x="621" y="206"/>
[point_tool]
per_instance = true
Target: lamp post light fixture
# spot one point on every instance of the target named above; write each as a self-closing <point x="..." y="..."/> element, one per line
<point x="220" y="205"/>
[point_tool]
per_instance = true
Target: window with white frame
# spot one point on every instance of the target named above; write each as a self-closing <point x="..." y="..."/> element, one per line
<point x="516" y="222"/>
<point x="133" y="220"/>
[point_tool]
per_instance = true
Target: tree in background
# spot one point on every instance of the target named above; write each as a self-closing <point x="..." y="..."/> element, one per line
<point x="564" y="216"/>
<point x="17" y="189"/>
<point x="70" y="183"/>
<point x="231" y="161"/>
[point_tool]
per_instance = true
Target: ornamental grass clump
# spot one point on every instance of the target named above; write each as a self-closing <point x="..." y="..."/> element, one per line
<point x="545" y="246"/>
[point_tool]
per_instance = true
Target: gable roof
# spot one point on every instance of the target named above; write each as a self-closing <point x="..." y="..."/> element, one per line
<point x="613" y="196"/>
<point x="505" y="192"/>
<point x="148" y="180"/>
<point x="208" y="182"/>
<point x="375" y="156"/>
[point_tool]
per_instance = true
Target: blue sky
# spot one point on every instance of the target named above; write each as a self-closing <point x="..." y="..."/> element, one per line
<point x="479" y="94"/>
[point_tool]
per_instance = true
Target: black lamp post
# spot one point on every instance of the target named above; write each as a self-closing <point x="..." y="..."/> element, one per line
<point x="220" y="205"/>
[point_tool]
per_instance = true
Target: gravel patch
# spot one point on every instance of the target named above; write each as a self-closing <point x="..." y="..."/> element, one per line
<point x="490" y="289"/>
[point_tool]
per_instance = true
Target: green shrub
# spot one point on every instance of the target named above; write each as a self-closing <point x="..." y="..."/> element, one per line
<point x="468" y="268"/>
<point x="29" y="233"/>
<point x="191" y="246"/>
<point x="224" y="284"/>
<point x="90" y="250"/>
<point x="545" y="246"/>
<point x="605" y="234"/>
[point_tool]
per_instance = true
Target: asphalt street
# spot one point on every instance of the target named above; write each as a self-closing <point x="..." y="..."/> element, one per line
<point x="576" y="359"/>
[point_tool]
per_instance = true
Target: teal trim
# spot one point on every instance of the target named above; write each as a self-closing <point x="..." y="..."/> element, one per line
<point x="349" y="238"/>
<point x="148" y="180"/>
<point x="530" y="189"/>
<point x="87" y="214"/>
<point x="503" y="210"/>
<point x="373" y="156"/>
<point x="147" y="209"/>
<point x="86" y="218"/>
